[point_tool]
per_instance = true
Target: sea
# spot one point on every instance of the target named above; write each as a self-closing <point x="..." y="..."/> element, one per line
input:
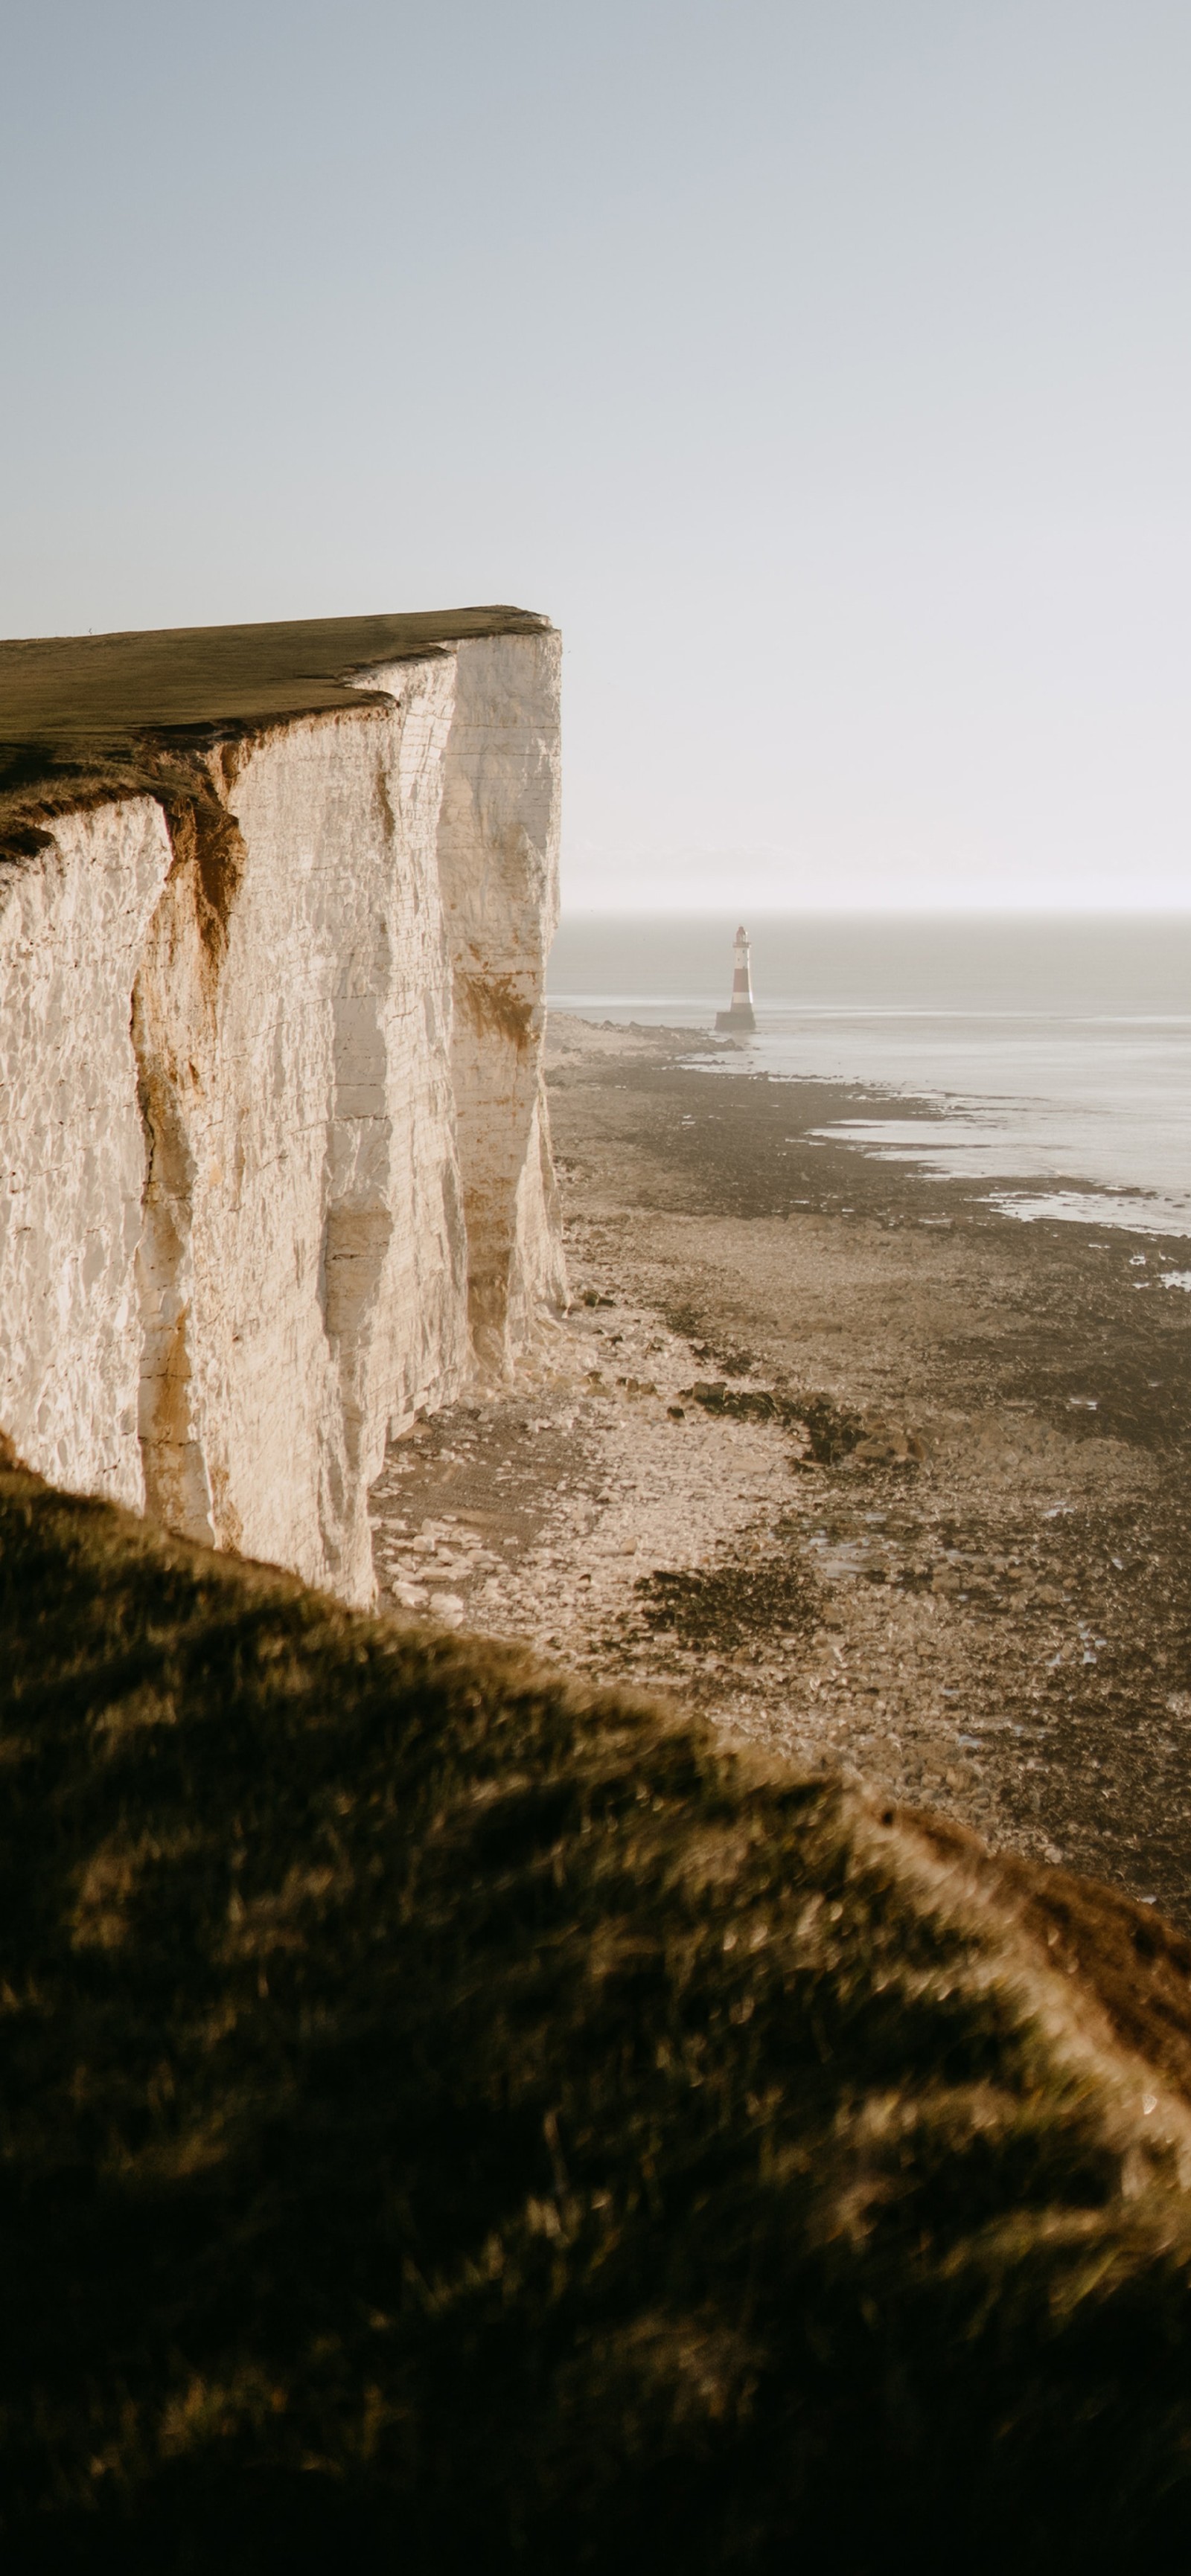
<point x="1053" y="1052"/>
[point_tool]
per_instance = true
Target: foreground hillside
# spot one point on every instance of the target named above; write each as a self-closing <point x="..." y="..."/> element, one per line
<point x="454" y="2120"/>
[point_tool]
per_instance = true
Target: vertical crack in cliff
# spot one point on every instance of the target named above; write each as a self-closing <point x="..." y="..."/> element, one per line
<point x="497" y="851"/>
<point x="358" y="1226"/>
<point x="209" y="848"/>
<point x="177" y="1492"/>
<point x="496" y="1081"/>
<point x="192" y="916"/>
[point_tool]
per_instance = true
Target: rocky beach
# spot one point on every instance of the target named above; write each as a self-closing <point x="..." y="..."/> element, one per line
<point x="860" y="1467"/>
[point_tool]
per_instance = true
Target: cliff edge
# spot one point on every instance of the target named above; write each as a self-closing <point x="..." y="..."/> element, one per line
<point x="275" y="904"/>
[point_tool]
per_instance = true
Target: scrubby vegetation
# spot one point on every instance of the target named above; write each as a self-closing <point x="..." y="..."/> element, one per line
<point x="452" y="2121"/>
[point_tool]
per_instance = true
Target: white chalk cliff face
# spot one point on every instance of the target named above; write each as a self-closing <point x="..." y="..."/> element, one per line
<point x="274" y="1163"/>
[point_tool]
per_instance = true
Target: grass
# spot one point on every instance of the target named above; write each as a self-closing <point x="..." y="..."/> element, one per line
<point x="453" y="2121"/>
<point x="88" y="715"/>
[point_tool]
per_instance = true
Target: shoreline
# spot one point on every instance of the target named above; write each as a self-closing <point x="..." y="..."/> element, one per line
<point x="933" y="1529"/>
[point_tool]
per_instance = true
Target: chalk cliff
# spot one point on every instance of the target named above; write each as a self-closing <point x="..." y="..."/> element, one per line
<point x="274" y="1161"/>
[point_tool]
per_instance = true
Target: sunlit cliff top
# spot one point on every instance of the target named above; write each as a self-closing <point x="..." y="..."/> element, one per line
<point x="85" y="712"/>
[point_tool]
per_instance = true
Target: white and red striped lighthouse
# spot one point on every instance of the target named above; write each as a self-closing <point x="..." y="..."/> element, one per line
<point x="741" y="1014"/>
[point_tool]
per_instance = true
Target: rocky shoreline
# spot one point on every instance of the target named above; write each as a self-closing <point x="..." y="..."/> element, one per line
<point x="862" y="1468"/>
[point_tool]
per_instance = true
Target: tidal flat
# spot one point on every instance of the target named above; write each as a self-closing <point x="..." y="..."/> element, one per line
<point x="842" y="1456"/>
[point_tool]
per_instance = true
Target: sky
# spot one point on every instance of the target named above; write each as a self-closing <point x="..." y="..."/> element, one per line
<point x="821" y="367"/>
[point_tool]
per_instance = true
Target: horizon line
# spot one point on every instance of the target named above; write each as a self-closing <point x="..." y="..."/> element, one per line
<point x="881" y="911"/>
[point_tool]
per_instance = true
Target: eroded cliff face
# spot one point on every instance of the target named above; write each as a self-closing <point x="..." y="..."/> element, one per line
<point x="271" y="1119"/>
<point x="498" y="835"/>
<point x="73" y="923"/>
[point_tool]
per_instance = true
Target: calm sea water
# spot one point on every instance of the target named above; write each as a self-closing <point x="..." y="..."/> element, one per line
<point x="1054" y="1049"/>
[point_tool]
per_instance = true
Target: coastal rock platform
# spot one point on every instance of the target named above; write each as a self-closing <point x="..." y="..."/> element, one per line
<point x="870" y="1472"/>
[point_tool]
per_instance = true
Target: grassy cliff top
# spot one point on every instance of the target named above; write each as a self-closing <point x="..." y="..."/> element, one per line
<point x="81" y="711"/>
<point x="454" y="2121"/>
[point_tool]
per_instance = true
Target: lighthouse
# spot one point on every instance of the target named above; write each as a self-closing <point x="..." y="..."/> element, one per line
<point x="741" y="1014"/>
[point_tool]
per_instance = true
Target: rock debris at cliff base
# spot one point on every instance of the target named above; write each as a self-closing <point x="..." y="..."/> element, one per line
<point x="999" y="1627"/>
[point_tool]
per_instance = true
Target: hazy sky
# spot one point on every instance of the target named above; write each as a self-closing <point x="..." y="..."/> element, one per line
<point x="822" y="368"/>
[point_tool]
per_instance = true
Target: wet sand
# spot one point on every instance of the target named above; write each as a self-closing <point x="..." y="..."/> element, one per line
<point x="864" y="1468"/>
